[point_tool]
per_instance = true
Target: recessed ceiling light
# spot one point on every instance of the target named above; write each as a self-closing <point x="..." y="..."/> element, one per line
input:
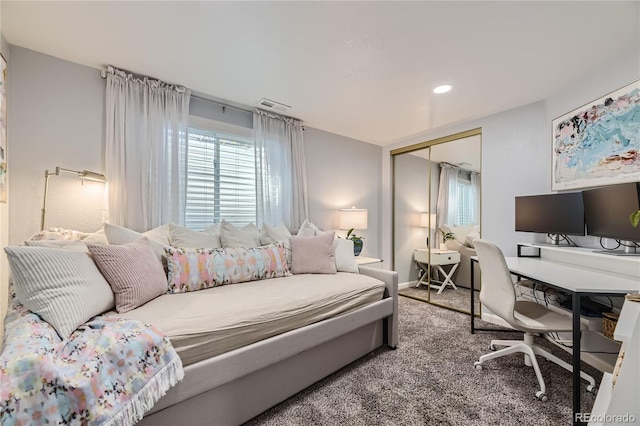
<point x="442" y="89"/>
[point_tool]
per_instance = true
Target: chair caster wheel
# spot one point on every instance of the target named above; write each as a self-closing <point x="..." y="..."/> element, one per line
<point x="477" y="365"/>
<point x="542" y="396"/>
<point x="592" y="389"/>
<point x="492" y="348"/>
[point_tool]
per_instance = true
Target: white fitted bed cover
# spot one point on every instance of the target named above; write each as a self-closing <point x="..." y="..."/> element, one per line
<point x="206" y="323"/>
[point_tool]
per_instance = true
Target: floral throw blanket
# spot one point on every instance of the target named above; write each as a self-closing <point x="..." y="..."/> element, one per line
<point x="109" y="372"/>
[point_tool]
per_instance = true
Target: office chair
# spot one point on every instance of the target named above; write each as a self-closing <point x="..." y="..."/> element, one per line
<point x="498" y="295"/>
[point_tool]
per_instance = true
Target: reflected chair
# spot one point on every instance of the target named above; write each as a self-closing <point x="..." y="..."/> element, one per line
<point x="499" y="296"/>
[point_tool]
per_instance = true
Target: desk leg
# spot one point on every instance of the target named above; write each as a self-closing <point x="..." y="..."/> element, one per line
<point x="576" y="358"/>
<point x="473" y="304"/>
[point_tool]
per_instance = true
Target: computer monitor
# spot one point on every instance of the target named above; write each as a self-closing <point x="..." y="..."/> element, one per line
<point x="559" y="214"/>
<point x="607" y="210"/>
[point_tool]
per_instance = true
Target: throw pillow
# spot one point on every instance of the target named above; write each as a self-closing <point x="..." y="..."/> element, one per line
<point x="471" y="237"/>
<point x="278" y="234"/>
<point x="308" y="229"/>
<point x="97" y="237"/>
<point x="313" y="255"/>
<point x="247" y="236"/>
<point x="64" y="287"/>
<point x="237" y="265"/>
<point x="461" y="233"/>
<point x="158" y="237"/>
<point x="133" y="272"/>
<point x="192" y="269"/>
<point x="344" y="257"/>
<point x="179" y="236"/>
<point x="59" y="244"/>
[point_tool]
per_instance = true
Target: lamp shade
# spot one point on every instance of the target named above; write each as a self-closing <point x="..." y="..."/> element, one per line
<point x="427" y="220"/>
<point x="353" y="218"/>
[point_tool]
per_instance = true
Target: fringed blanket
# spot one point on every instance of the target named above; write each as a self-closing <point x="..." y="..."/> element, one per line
<point x="109" y="372"/>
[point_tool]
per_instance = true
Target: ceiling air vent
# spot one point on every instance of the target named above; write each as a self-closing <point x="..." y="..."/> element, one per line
<point x="272" y="105"/>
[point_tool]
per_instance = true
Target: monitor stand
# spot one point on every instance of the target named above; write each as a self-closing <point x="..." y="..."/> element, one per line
<point x="556" y="240"/>
<point x="630" y="249"/>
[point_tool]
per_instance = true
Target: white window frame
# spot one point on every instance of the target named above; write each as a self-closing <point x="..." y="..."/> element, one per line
<point x="217" y="129"/>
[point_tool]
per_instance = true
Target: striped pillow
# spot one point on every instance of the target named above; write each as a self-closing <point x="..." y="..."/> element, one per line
<point x="64" y="287"/>
<point x="133" y="272"/>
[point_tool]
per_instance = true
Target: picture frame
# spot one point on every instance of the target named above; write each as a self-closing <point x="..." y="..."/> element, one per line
<point x="4" y="183"/>
<point x="599" y="143"/>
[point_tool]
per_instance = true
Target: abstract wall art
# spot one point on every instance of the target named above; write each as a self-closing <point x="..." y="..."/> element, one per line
<point x="598" y="143"/>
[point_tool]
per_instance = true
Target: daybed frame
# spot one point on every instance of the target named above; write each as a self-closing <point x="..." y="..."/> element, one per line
<point x="236" y="386"/>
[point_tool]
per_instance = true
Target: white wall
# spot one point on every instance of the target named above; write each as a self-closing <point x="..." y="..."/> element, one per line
<point x="516" y="150"/>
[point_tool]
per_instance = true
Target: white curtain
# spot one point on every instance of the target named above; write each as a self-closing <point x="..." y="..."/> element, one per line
<point x="281" y="172"/>
<point x="475" y="198"/>
<point x="447" y="207"/>
<point x="146" y="136"/>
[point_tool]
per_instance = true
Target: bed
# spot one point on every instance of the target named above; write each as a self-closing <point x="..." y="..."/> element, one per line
<point x="218" y="355"/>
<point x="235" y="386"/>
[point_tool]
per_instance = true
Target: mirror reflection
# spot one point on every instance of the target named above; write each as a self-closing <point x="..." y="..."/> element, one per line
<point x="436" y="218"/>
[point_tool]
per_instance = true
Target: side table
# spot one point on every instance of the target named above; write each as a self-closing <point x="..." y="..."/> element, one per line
<point x="437" y="258"/>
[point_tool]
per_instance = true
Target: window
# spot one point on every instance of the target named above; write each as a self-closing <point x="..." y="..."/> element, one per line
<point x="221" y="179"/>
<point x="465" y="202"/>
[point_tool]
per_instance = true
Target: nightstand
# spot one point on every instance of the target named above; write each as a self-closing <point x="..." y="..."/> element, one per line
<point x="371" y="262"/>
<point x="438" y="259"/>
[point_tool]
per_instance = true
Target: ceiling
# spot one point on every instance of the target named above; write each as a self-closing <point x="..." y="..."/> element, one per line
<point x="365" y="70"/>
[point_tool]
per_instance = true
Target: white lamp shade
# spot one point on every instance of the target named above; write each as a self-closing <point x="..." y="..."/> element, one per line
<point x="428" y="220"/>
<point x="353" y="218"/>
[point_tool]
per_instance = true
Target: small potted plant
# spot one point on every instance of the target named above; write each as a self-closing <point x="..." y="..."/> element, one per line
<point x="445" y="237"/>
<point x="635" y="218"/>
<point x="357" y="241"/>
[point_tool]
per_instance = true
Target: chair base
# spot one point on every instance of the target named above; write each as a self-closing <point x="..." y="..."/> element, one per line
<point x="530" y="350"/>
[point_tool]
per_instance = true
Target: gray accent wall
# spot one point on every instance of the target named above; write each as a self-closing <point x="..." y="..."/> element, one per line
<point x="4" y="209"/>
<point x="57" y="119"/>
<point x="343" y="173"/>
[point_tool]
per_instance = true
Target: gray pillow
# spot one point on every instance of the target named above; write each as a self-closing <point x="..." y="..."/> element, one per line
<point x="64" y="287"/>
<point x="248" y="236"/>
<point x="179" y="236"/>
<point x="158" y="237"/>
<point x="277" y="234"/>
<point x="313" y="255"/>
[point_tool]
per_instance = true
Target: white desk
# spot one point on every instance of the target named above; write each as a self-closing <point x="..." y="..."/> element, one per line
<point x="580" y="282"/>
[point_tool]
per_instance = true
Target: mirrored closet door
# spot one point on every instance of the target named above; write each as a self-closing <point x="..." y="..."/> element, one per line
<point x="436" y="217"/>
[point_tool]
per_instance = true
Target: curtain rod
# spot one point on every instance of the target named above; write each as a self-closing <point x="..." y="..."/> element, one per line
<point x="224" y="106"/>
<point x="103" y="74"/>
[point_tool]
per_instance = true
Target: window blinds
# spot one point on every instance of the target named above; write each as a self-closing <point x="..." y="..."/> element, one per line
<point x="221" y="179"/>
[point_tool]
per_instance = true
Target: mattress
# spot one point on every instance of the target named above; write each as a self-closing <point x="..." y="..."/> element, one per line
<point x="206" y="323"/>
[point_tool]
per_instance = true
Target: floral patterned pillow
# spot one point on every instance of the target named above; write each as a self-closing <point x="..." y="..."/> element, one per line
<point x="192" y="269"/>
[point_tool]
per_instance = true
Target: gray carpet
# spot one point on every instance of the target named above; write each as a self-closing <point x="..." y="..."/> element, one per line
<point x="459" y="298"/>
<point x="430" y="380"/>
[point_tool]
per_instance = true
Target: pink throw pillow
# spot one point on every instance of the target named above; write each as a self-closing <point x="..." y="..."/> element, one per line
<point x="313" y="255"/>
<point x="132" y="270"/>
